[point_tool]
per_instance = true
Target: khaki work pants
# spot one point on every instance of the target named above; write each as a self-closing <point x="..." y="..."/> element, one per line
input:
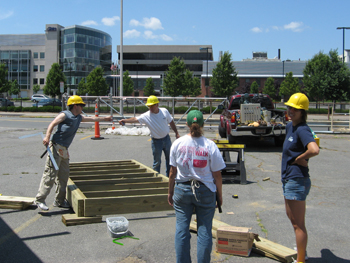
<point x="51" y="176"/>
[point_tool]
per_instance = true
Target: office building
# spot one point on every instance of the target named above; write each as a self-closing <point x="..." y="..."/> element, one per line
<point x="77" y="49"/>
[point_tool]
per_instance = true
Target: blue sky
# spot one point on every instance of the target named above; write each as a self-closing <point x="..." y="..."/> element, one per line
<point x="300" y="28"/>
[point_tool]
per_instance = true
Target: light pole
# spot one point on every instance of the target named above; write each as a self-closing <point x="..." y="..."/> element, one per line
<point x="343" y="39"/>
<point x="207" y="76"/>
<point x="137" y="76"/>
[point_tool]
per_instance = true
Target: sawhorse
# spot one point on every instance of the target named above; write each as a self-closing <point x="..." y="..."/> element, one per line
<point x="233" y="169"/>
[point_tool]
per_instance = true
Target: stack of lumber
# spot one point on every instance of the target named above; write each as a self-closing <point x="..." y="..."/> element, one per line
<point x="264" y="247"/>
<point x="114" y="187"/>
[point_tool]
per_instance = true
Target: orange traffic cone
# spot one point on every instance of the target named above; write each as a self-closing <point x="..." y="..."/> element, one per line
<point x="97" y="127"/>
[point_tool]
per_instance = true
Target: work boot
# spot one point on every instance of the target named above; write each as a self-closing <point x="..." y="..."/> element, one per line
<point x="65" y="204"/>
<point x="42" y="205"/>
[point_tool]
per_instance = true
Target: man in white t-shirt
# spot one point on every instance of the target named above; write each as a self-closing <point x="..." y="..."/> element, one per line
<point x="157" y="120"/>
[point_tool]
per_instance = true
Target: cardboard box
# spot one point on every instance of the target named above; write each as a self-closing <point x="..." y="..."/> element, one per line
<point x="234" y="240"/>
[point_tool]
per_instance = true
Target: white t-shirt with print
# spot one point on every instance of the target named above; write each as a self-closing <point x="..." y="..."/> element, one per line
<point x="196" y="158"/>
<point x="157" y="123"/>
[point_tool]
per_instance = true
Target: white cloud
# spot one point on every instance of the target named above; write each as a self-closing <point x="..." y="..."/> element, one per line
<point x="256" y="30"/>
<point x="148" y="23"/>
<point x="89" y="23"/>
<point x="110" y="21"/>
<point x="6" y="15"/>
<point x="166" y="38"/>
<point x="149" y="35"/>
<point x="131" y="33"/>
<point x="294" y="26"/>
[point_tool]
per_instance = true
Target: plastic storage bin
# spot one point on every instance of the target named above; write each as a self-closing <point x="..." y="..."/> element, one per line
<point x="117" y="226"/>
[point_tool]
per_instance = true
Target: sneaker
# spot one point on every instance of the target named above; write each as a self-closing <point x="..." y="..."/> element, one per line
<point x="42" y="205"/>
<point x="65" y="204"/>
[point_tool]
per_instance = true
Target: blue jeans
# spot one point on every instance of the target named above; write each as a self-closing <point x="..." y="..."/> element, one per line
<point x="159" y="145"/>
<point x="204" y="203"/>
<point x="296" y="188"/>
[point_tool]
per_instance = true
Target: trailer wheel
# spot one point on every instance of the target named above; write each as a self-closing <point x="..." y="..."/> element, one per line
<point x="222" y="132"/>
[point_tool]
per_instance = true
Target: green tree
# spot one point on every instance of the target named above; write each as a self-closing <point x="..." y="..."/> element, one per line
<point x="128" y="84"/>
<point x="225" y="79"/>
<point x="178" y="79"/>
<point x="269" y="88"/>
<point x="316" y="76"/>
<point x="148" y="90"/>
<point x="4" y="83"/>
<point x="254" y="88"/>
<point x="15" y="90"/>
<point x="339" y="86"/>
<point x="53" y="80"/>
<point x="82" y="90"/>
<point x="36" y="88"/>
<point x="327" y="77"/>
<point x="289" y="86"/>
<point x="196" y="88"/>
<point x="96" y="84"/>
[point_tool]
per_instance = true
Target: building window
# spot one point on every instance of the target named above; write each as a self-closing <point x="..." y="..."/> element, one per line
<point x="42" y="54"/>
<point x="36" y="55"/>
<point x="42" y="81"/>
<point x="42" y="68"/>
<point x="35" y="81"/>
<point x="35" y="68"/>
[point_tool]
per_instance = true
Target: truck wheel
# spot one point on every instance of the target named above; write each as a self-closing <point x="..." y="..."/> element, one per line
<point x="222" y="132"/>
<point x="279" y="140"/>
<point x="231" y="139"/>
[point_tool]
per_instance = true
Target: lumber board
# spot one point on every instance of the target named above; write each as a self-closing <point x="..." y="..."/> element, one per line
<point x="122" y="186"/>
<point x="126" y="205"/>
<point x="82" y="164"/>
<point x="109" y="176"/>
<point x="264" y="246"/>
<point x="117" y="181"/>
<point x="15" y="202"/>
<point x="73" y="219"/>
<point x="133" y="192"/>
<point x="107" y="171"/>
<point x="107" y="167"/>
<point x="75" y="198"/>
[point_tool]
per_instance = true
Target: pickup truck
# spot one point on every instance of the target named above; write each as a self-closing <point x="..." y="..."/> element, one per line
<point x="252" y="115"/>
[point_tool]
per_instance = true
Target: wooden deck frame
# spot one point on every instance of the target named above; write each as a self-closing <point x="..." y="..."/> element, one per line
<point x="114" y="187"/>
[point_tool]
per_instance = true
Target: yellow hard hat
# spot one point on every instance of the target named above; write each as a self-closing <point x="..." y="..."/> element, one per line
<point x="75" y="99"/>
<point x="298" y="101"/>
<point x="152" y="100"/>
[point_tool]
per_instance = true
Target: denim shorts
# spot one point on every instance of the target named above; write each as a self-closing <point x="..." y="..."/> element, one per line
<point x="296" y="188"/>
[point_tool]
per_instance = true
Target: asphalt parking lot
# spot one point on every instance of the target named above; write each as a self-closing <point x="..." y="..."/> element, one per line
<point x="34" y="236"/>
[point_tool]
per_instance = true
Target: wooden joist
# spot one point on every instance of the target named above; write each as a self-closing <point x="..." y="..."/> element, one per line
<point x="264" y="246"/>
<point x="15" y="202"/>
<point x="73" y="219"/>
<point x="114" y="187"/>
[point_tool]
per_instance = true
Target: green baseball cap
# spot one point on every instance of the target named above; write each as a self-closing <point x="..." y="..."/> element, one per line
<point x="195" y="116"/>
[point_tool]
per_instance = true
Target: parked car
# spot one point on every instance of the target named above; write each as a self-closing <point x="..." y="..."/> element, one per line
<point x="48" y="102"/>
<point x="6" y="102"/>
<point x="38" y="97"/>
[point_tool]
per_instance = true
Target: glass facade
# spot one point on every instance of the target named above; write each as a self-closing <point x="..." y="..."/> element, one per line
<point x="83" y="49"/>
<point x="18" y="65"/>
